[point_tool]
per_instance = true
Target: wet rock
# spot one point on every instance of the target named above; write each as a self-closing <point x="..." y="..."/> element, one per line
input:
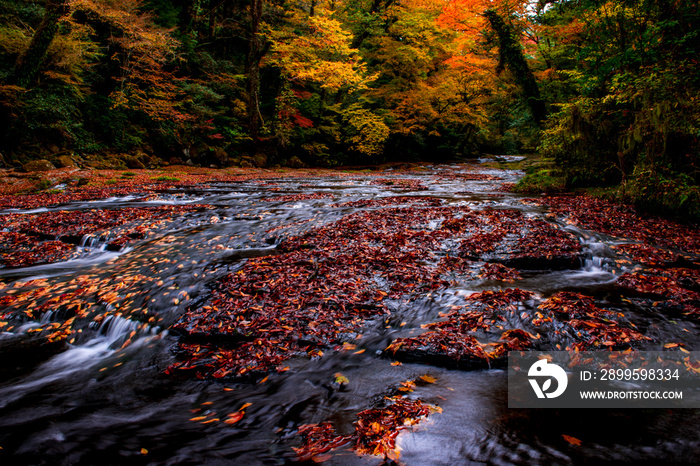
<point x="509" y="238"/>
<point x="39" y="166"/>
<point x="445" y="349"/>
<point x="453" y="342"/>
<point x="573" y="321"/>
<point x="25" y="351"/>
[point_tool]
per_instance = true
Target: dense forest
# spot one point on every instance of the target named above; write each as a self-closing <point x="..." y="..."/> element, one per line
<point x="607" y="90"/>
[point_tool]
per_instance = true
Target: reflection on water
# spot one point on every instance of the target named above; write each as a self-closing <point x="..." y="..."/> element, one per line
<point x="103" y="401"/>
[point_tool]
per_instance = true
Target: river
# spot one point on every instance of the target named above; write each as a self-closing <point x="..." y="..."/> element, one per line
<point x="105" y="398"/>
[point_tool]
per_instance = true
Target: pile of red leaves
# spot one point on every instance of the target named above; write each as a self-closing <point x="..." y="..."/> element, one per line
<point x="442" y="347"/>
<point x="585" y="327"/>
<point x="401" y="184"/>
<point x="393" y="200"/>
<point x="648" y="255"/>
<point x="472" y="177"/>
<point x="19" y="250"/>
<point x="494" y="271"/>
<point x="493" y="237"/>
<point x="506" y="188"/>
<point x="299" y="197"/>
<point x="503" y="300"/>
<point x="329" y="281"/>
<point x="622" y="220"/>
<point x="102" y="184"/>
<point x="480" y="244"/>
<point x="31" y="239"/>
<point x="76" y="224"/>
<point x="456" y="264"/>
<point x="678" y="288"/>
<point x="452" y="343"/>
<point x="320" y="291"/>
<point x="317" y="439"/>
<point x="375" y="430"/>
<point x="548" y="242"/>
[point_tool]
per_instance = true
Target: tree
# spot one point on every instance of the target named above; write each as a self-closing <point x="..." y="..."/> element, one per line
<point x="511" y="55"/>
<point x="255" y="55"/>
<point x="29" y="62"/>
<point x="508" y="20"/>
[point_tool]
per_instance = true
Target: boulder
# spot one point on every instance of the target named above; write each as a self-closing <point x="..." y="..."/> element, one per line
<point x="135" y="163"/>
<point x="65" y="161"/>
<point x="295" y="162"/>
<point x="39" y="166"/>
<point x="220" y="157"/>
<point x="260" y="160"/>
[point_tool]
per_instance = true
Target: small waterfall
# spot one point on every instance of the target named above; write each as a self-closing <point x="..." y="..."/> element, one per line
<point x="597" y="255"/>
<point x="115" y="328"/>
<point x="47" y="317"/>
<point x="89" y="241"/>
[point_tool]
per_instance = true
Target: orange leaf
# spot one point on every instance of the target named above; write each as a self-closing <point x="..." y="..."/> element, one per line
<point x="235" y="417"/>
<point x="571" y="440"/>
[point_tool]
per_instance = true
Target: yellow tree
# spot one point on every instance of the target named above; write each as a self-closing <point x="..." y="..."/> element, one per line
<point x="313" y="51"/>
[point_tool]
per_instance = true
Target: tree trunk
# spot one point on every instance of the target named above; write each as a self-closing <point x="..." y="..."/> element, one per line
<point x="253" y="69"/>
<point x="511" y="55"/>
<point x="29" y="63"/>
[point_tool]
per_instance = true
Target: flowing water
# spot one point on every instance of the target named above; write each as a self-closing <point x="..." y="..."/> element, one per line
<point x="99" y="403"/>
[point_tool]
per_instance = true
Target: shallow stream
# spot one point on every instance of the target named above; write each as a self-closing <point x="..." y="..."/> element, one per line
<point x="100" y="402"/>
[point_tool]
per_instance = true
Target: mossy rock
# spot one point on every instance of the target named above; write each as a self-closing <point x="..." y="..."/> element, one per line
<point x="220" y="157"/>
<point x="260" y="160"/>
<point x="39" y="166"/>
<point x="135" y="163"/>
<point x="295" y="162"/>
<point x="65" y="161"/>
